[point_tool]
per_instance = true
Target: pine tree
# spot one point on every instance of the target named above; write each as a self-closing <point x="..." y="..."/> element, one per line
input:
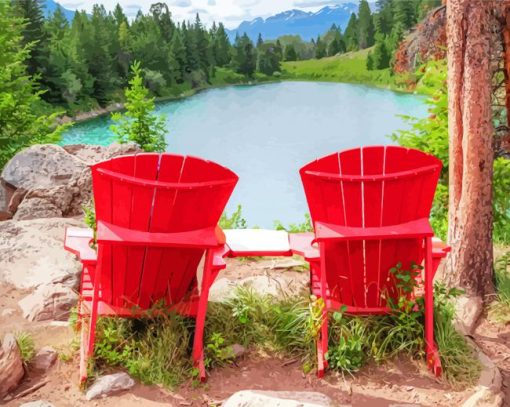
<point x="320" y="48"/>
<point x="381" y="55"/>
<point x="336" y="46"/>
<point x="221" y="47"/>
<point x="365" y="25"/>
<point x="351" y="34"/>
<point x="33" y="33"/>
<point x="21" y="125"/>
<point x="260" y="41"/>
<point x="138" y="123"/>
<point x="244" y="59"/>
<point x="290" y="53"/>
<point x="268" y="60"/>
<point x="177" y="58"/>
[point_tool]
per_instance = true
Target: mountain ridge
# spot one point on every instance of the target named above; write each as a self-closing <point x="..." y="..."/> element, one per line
<point x="306" y="24"/>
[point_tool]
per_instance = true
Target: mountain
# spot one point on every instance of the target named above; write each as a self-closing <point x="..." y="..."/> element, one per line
<point x="297" y="22"/>
<point x="50" y="6"/>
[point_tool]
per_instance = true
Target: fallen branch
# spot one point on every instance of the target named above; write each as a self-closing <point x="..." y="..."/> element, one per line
<point x="31" y="389"/>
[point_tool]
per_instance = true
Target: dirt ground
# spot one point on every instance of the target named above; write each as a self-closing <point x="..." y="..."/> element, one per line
<point x="401" y="382"/>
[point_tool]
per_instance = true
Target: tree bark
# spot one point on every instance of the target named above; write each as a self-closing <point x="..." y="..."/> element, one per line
<point x="471" y="146"/>
<point x="506" y="49"/>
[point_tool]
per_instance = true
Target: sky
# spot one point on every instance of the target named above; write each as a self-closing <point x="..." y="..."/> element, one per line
<point x="230" y="12"/>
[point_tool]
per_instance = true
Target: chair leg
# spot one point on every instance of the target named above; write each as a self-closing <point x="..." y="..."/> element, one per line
<point x="433" y="359"/>
<point x="322" y="339"/>
<point x="198" y="341"/>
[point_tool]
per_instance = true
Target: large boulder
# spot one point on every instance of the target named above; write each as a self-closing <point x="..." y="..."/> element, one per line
<point x="49" y="302"/>
<point x="11" y="365"/>
<point x="256" y="398"/>
<point x="42" y="166"/>
<point x="45" y="181"/>
<point x="32" y="253"/>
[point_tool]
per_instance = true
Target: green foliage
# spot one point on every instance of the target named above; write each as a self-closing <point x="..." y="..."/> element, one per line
<point x="499" y="309"/>
<point x="348" y="351"/>
<point x="365" y="25"/>
<point x="217" y="351"/>
<point x="290" y="53"/>
<point x="26" y="346"/>
<point x="306" y="226"/>
<point x="244" y="60"/>
<point x="431" y="135"/>
<point x="350" y="67"/>
<point x="21" y="124"/>
<point x="89" y="217"/>
<point x="268" y="59"/>
<point x="320" y="48"/>
<point x="234" y="221"/>
<point x="379" y="58"/>
<point x="138" y="123"/>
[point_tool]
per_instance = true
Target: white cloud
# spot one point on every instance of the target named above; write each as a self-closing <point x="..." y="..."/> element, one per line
<point x="231" y="12"/>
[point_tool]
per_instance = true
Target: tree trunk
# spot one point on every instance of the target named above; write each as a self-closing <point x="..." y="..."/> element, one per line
<point x="471" y="146"/>
<point x="506" y="48"/>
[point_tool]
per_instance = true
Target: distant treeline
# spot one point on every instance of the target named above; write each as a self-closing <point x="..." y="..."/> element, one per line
<point x="85" y="62"/>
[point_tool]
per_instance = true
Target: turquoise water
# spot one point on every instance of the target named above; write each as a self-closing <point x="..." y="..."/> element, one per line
<point x="265" y="133"/>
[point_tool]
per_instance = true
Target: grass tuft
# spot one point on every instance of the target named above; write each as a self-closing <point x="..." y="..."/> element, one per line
<point x="26" y="346"/>
<point x="499" y="310"/>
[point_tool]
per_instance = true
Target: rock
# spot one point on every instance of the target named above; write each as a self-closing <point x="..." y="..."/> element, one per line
<point x="44" y="358"/>
<point x="38" y="403"/>
<point x="238" y="350"/>
<point x="46" y="203"/>
<point x="16" y="199"/>
<point x="58" y="179"/>
<point x="280" y="264"/>
<point x="11" y="365"/>
<point x="7" y="312"/>
<point x="42" y="166"/>
<point x="32" y="253"/>
<point x="48" y="302"/>
<point x="276" y="285"/>
<point x="468" y="310"/>
<point x="106" y="385"/>
<point x="488" y="390"/>
<point x="252" y="398"/>
<point x="92" y="154"/>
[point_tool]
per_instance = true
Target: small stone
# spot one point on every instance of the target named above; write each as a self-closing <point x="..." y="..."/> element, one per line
<point x="238" y="350"/>
<point x="44" y="359"/>
<point x="8" y="312"/>
<point x="37" y="403"/>
<point x="11" y="365"/>
<point x="48" y="302"/>
<point x="468" y="310"/>
<point x="106" y="385"/>
<point x="252" y="398"/>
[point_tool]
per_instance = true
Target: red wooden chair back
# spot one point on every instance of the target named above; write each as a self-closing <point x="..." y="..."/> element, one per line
<point x="155" y="193"/>
<point x="370" y="187"/>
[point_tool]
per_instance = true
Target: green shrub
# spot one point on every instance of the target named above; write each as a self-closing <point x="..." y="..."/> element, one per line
<point x="235" y="221"/>
<point x="499" y="309"/>
<point x="26" y="346"/>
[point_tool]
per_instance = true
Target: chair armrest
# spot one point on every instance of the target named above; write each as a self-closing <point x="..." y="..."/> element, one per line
<point x="302" y="245"/>
<point x="411" y="230"/>
<point x="77" y="241"/>
<point x="116" y="235"/>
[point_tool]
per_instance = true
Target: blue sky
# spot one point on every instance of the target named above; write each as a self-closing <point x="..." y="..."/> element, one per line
<point x="230" y="12"/>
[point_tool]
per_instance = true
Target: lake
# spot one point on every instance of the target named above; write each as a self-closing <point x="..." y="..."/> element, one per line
<point x="265" y="133"/>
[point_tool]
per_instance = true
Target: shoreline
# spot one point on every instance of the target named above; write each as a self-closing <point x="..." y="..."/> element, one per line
<point x="83" y="117"/>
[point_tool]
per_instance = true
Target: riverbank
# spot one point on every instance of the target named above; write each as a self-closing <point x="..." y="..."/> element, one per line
<point x="345" y="68"/>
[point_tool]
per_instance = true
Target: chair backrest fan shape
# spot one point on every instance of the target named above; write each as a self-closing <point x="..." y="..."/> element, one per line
<point x="370" y="187"/>
<point x="160" y="193"/>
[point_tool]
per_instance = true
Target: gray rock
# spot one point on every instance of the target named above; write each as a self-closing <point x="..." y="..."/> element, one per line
<point x="7" y="312"/>
<point x="58" y="180"/>
<point x="48" y="302"/>
<point x="11" y="365"/>
<point x="468" y="310"/>
<point x="92" y="154"/>
<point x="106" y="385"/>
<point x="238" y="350"/>
<point x="37" y="403"/>
<point x="32" y="253"/>
<point x="252" y="398"/>
<point x="42" y="166"/>
<point x="279" y="285"/>
<point x="44" y="358"/>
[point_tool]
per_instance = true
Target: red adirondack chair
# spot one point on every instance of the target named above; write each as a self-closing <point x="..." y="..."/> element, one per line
<point x="370" y="209"/>
<point x="157" y="216"/>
